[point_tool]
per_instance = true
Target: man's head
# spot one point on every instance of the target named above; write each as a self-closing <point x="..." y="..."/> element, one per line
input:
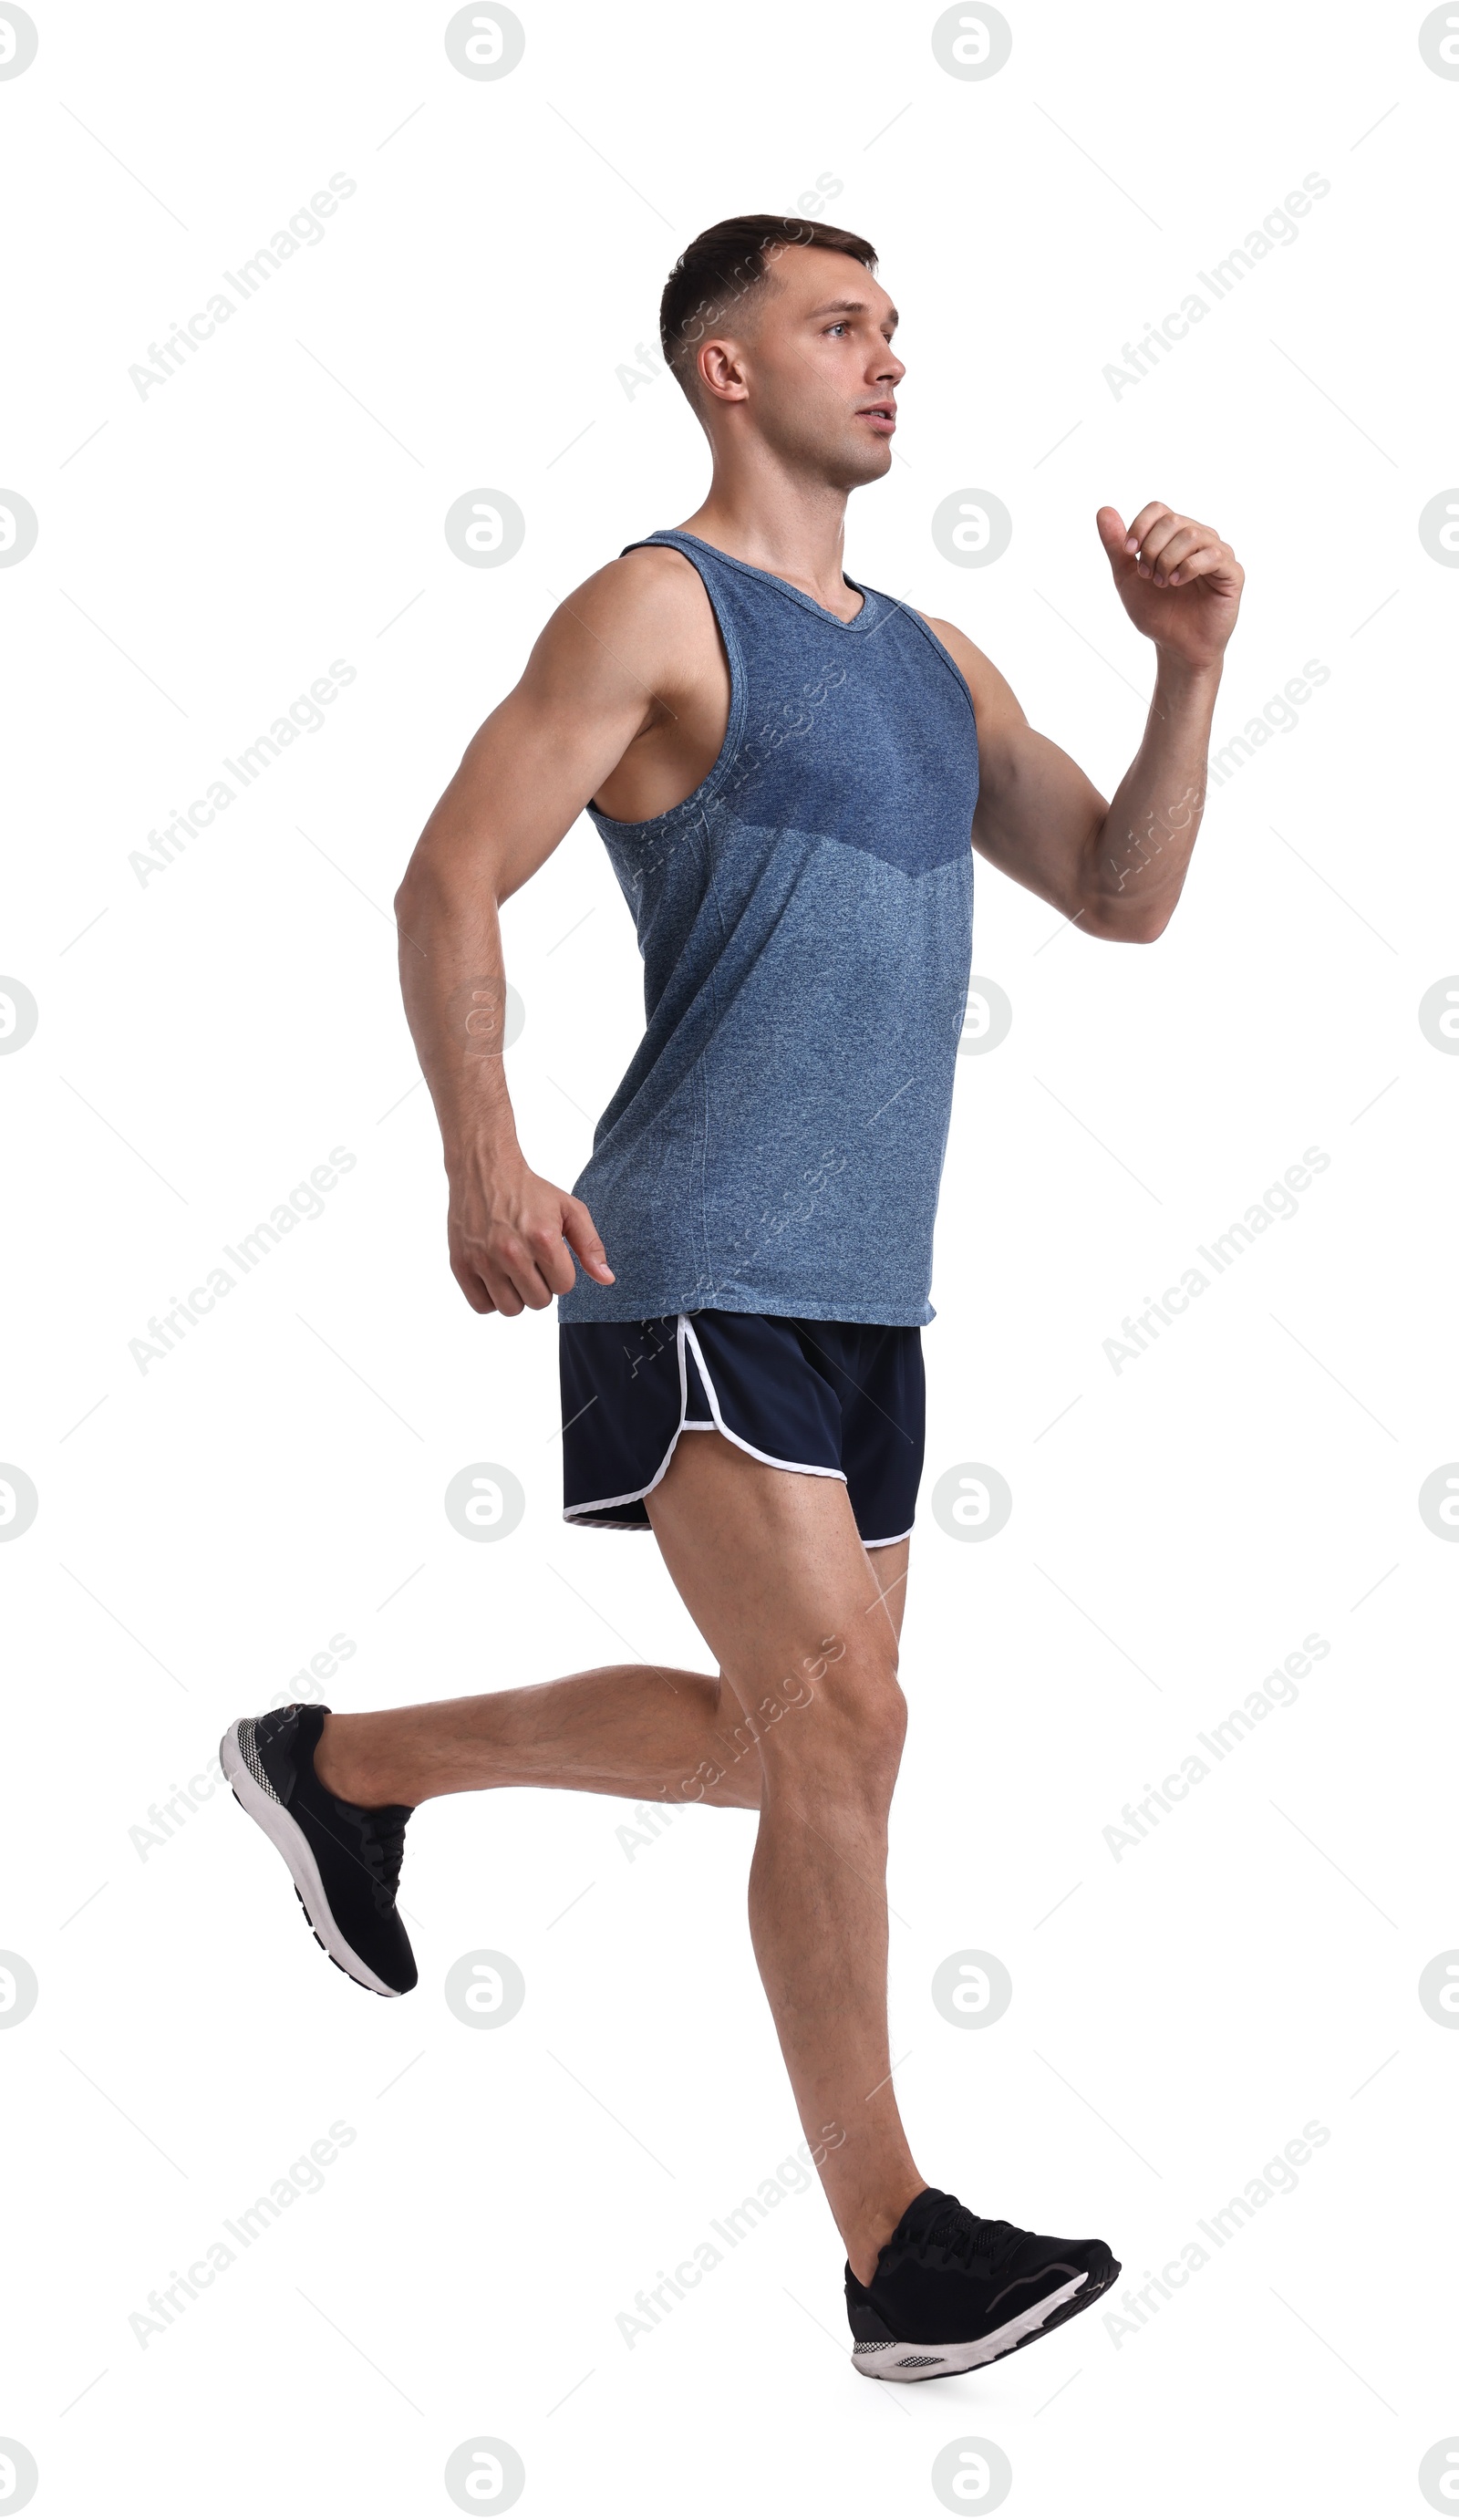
<point x="778" y="326"/>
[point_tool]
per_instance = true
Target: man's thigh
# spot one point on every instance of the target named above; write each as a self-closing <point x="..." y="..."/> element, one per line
<point x="771" y="1567"/>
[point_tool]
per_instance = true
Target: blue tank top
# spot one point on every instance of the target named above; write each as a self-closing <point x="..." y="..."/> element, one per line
<point x="804" y="920"/>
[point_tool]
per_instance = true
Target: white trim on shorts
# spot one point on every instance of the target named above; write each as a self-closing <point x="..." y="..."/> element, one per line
<point x="711" y="1425"/>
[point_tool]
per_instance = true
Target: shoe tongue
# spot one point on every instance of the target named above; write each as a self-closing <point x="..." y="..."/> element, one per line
<point x="924" y="2214"/>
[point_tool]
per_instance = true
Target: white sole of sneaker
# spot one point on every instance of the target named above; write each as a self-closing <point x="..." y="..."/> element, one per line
<point x="289" y="1840"/>
<point x="893" y="2362"/>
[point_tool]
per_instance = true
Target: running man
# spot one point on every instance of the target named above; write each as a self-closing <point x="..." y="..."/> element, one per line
<point x="786" y="769"/>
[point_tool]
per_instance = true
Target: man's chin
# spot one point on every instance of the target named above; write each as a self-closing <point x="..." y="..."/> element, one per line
<point x="865" y="460"/>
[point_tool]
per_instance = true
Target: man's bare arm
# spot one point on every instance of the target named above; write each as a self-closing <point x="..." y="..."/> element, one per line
<point x="594" y="681"/>
<point x="1115" y="868"/>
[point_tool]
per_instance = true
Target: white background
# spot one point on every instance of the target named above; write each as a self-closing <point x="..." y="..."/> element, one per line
<point x="206" y="1037"/>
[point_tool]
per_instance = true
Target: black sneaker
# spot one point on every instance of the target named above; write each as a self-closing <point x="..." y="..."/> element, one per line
<point x="346" y="1861"/>
<point x="951" y="2291"/>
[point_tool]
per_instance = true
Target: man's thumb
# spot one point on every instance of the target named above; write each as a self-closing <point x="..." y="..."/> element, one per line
<point x="579" y="1229"/>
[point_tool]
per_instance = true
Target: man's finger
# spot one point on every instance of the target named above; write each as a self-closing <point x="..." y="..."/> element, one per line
<point x="494" y="1278"/>
<point x="549" y="1255"/>
<point x="1138" y="526"/>
<point x="525" y="1271"/>
<point x="472" y="1285"/>
<point x="581" y="1236"/>
<point x="1164" y="551"/>
<point x="1222" y="570"/>
<point x="1164" y="541"/>
<point x="1162" y="535"/>
<point x="1197" y="563"/>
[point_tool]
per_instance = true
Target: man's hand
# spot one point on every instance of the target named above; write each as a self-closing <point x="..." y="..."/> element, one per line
<point x="512" y="1240"/>
<point x="1115" y="868"/>
<point x="1179" y="582"/>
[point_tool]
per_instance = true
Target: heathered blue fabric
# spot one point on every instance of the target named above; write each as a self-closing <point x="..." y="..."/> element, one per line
<point x="804" y="920"/>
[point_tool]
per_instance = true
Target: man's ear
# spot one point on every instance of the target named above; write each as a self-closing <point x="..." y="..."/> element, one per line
<point x="720" y="371"/>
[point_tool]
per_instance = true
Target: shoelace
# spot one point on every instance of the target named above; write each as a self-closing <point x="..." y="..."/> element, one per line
<point x="382" y="1847"/>
<point x="968" y="2236"/>
<point x="377" y="1839"/>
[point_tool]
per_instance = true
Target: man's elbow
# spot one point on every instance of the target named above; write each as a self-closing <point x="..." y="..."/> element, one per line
<point x="1148" y="925"/>
<point x="437" y="877"/>
<point x="411" y="895"/>
<point x="1126" y="923"/>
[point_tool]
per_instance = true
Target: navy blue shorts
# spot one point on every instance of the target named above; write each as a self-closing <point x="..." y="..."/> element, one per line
<point x="840" y="1399"/>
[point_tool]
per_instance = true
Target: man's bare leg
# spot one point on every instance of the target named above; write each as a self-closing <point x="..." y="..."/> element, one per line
<point x="630" y="1729"/>
<point x="634" y="1729"/>
<point x="804" y="1723"/>
<point x="769" y="1565"/>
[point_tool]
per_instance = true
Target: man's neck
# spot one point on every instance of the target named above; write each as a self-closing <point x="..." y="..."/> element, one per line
<point x="793" y="529"/>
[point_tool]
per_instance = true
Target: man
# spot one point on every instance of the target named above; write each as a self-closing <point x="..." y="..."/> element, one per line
<point x="785" y="767"/>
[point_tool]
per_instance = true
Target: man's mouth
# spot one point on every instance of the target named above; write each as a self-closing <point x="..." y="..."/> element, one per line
<point x="882" y="416"/>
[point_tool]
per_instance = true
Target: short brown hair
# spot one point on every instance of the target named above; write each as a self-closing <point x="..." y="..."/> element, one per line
<point x="725" y="264"/>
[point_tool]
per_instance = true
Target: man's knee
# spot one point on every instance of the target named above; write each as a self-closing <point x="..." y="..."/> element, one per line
<point x="851" y="1721"/>
<point x="878" y="1715"/>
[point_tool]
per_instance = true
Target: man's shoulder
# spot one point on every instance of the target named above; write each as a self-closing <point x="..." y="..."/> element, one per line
<point x="650" y="600"/>
<point x="990" y="692"/>
<point x="948" y="636"/>
<point x="648" y="578"/>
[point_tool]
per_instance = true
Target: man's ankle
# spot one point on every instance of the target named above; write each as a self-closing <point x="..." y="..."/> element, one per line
<point x="338" y="1772"/>
<point x="875" y="2228"/>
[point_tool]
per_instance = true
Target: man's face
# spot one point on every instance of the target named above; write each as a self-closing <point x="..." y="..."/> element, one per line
<point x="811" y="361"/>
